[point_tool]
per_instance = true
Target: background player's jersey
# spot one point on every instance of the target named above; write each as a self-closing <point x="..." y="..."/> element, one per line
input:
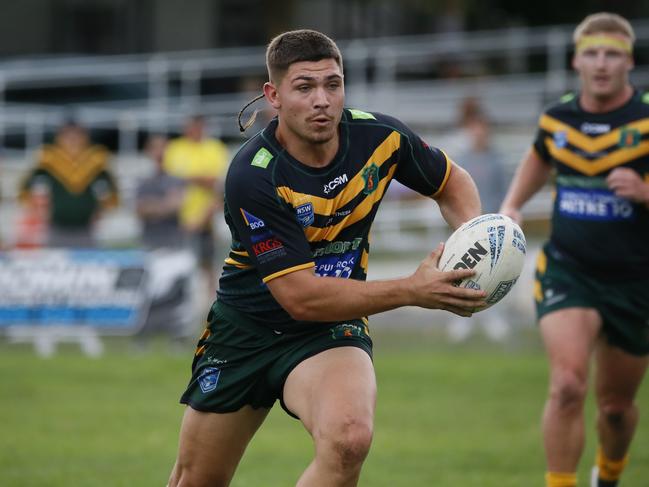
<point x="601" y="232"/>
<point x="285" y="216"/>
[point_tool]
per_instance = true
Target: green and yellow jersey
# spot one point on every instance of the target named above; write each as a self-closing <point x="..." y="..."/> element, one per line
<point x="591" y="226"/>
<point x="77" y="186"/>
<point x="285" y="216"/>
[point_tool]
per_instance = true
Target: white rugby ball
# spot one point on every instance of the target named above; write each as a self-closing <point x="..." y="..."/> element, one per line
<point x="494" y="246"/>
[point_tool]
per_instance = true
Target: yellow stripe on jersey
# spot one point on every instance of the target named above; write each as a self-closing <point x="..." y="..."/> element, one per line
<point x="596" y="166"/>
<point x="288" y="271"/>
<point x="541" y="262"/>
<point x="238" y="265"/>
<point x="315" y="234"/>
<point x="449" y="164"/>
<point x="587" y="143"/>
<point x="325" y="206"/>
<point x="364" y="260"/>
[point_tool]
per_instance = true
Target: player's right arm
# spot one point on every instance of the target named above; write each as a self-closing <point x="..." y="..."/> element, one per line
<point x="529" y="178"/>
<point x="307" y="297"/>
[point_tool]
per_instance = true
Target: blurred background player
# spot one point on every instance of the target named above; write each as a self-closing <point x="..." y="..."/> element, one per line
<point x="72" y="181"/>
<point x="592" y="290"/>
<point x="201" y="162"/>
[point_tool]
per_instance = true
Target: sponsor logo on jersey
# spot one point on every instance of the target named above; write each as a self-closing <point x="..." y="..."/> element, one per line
<point x="252" y="222"/>
<point x="304" y="214"/>
<point x="371" y="176"/>
<point x="262" y="158"/>
<point x="361" y="115"/>
<point x="270" y="244"/>
<point x="337" y="265"/>
<point x="334" y="183"/>
<point x="560" y="139"/>
<point x="338" y="247"/>
<point x="595" y="128"/>
<point x="629" y="137"/>
<point x="593" y="204"/>
<point x="209" y="379"/>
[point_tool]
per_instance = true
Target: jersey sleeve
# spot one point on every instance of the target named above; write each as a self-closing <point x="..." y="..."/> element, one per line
<point x="539" y="146"/>
<point x="422" y="168"/>
<point x="266" y="227"/>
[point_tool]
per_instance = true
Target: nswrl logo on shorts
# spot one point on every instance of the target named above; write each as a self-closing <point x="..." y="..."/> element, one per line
<point x="208" y="379"/>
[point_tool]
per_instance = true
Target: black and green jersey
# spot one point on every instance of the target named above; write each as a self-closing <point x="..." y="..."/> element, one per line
<point x="285" y="216"/>
<point x="601" y="232"/>
<point x="78" y="186"/>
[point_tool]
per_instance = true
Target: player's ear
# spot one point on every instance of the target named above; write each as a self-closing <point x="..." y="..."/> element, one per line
<point x="272" y="95"/>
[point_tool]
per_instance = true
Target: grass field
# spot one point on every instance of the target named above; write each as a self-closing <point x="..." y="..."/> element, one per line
<point x="447" y="416"/>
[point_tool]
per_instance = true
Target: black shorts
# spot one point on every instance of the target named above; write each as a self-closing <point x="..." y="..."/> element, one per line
<point x="239" y="362"/>
<point x="623" y="305"/>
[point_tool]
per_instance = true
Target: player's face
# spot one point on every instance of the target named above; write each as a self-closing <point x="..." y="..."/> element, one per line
<point x="309" y="100"/>
<point x="603" y="70"/>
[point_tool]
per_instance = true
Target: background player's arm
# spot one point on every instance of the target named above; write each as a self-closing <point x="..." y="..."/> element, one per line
<point x="529" y="178"/>
<point x="459" y="201"/>
<point x="627" y="183"/>
<point x="307" y="297"/>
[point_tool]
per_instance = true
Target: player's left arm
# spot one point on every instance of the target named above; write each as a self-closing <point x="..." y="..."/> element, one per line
<point x="459" y="200"/>
<point x="627" y="183"/>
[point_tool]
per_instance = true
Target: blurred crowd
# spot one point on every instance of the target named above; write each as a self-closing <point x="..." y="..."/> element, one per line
<point x="71" y="186"/>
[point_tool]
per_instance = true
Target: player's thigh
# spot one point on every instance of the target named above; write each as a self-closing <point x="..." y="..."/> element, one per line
<point x="569" y="336"/>
<point x="212" y="444"/>
<point x="618" y="374"/>
<point x="335" y="385"/>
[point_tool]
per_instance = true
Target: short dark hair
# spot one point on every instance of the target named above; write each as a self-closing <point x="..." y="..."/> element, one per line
<point x="296" y="46"/>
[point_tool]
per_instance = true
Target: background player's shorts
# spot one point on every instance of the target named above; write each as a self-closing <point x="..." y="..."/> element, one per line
<point x="239" y="362"/>
<point x="623" y="305"/>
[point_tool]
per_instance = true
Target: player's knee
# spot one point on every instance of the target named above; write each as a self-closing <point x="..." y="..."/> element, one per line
<point x="351" y="444"/>
<point x="568" y="390"/>
<point x="614" y="412"/>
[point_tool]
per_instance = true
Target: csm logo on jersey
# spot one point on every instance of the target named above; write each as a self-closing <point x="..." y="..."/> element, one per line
<point x="334" y="183"/>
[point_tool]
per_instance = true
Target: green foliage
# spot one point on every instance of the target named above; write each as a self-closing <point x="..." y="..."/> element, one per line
<point x="446" y="416"/>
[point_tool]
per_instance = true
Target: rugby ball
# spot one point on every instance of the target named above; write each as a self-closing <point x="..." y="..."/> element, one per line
<point x="494" y="246"/>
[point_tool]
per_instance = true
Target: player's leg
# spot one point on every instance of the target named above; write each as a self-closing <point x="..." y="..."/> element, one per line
<point x="617" y="379"/>
<point x="211" y="446"/>
<point x="334" y="394"/>
<point x="569" y="336"/>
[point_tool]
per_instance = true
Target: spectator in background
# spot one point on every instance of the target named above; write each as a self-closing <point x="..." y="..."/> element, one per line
<point x="72" y="180"/>
<point x="484" y="163"/>
<point x="158" y="202"/>
<point x="159" y="199"/>
<point x="201" y="162"/>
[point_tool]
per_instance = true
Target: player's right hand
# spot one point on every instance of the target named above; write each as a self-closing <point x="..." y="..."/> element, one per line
<point x="436" y="289"/>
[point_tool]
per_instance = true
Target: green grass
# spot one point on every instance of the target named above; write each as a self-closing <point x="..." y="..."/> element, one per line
<point x="446" y="416"/>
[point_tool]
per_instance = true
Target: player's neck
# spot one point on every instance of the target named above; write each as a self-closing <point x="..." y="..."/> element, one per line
<point x="307" y="152"/>
<point x="595" y="104"/>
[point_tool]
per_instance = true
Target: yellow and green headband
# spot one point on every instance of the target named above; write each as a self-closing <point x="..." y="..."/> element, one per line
<point x="602" y="40"/>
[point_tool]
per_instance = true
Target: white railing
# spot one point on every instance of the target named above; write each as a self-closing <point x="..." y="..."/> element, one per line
<point x="376" y="70"/>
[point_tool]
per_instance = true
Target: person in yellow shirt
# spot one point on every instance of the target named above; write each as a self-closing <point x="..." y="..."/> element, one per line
<point x="201" y="162"/>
